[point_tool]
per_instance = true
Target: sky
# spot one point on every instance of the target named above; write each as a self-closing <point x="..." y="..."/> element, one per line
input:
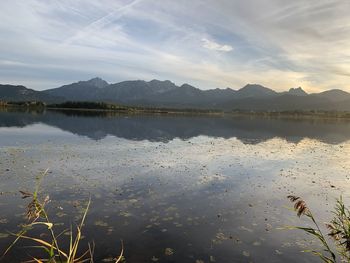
<point x="207" y="43"/>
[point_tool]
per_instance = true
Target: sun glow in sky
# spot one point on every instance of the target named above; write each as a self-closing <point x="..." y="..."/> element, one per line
<point x="209" y="44"/>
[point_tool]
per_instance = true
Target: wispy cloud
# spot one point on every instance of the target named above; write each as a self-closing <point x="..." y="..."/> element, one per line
<point x="212" y="45"/>
<point x="100" y="23"/>
<point x="206" y="43"/>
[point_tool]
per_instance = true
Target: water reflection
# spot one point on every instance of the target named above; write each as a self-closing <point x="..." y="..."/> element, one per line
<point x="210" y="199"/>
<point x="164" y="128"/>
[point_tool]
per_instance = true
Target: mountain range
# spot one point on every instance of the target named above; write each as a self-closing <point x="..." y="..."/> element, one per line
<point x="166" y="94"/>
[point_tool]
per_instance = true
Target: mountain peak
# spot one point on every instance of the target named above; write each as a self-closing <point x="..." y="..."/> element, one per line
<point x="297" y="91"/>
<point x="160" y="86"/>
<point x="98" y="82"/>
<point x="255" y="90"/>
<point x="252" y="86"/>
<point x="335" y="91"/>
<point x="335" y="95"/>
<point x="189" y="87"/>
<point x="161" y="81"/>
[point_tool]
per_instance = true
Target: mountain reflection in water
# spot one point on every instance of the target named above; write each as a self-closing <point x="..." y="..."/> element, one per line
<point x="164" y="128"/>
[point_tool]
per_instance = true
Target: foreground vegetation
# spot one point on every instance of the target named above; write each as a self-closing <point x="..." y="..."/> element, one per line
<point x="37" y="216"/>
<point x="338" y="231"/>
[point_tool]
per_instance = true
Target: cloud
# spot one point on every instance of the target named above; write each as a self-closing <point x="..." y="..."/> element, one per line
<point x="281" y="45"/>
<point x="101" y="22"/>
<point x="212" y="45"/>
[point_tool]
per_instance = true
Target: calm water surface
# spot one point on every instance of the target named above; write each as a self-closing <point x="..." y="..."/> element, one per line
<point x="213" y="189"/>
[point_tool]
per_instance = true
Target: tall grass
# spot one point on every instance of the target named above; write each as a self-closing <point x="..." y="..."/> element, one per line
<point x="338" y="230"/>
<point x="37" y="215"/>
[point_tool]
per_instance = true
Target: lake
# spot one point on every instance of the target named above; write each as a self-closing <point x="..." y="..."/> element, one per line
<point x="206" y="189"/>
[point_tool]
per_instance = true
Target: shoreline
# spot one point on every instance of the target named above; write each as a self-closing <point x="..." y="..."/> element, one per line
<point x="129" y="110"/>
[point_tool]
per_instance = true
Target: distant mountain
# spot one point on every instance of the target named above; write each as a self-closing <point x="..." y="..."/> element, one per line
<point x="335" y="95"/>
<point x="183" y="95"/>
<point x="135" y="91"/>
<point x="255" y="91"/>
<point x="21" y="93"/>
<point x="97" y="82"/>
<point x="156" y="93"/>
<point x="158" y="86"/>
<point x="297" y="92"/>
<point x="79" y="91"/>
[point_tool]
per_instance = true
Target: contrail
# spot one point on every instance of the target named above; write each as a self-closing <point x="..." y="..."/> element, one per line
<point x="101" y="22"/>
